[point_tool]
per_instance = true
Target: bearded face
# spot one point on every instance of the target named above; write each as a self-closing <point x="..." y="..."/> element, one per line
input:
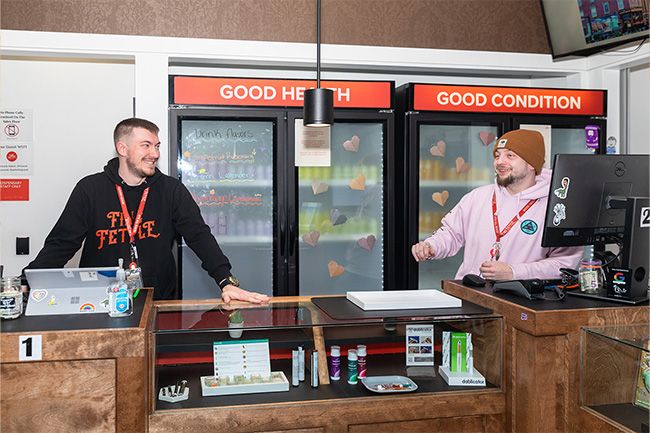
<point x="510" y="168"/>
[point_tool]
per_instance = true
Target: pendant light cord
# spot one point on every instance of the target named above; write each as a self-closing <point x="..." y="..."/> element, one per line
<point x="318" y="44"/>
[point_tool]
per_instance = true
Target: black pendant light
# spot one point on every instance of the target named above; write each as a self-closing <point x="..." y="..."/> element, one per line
<point x="319" y="103"/>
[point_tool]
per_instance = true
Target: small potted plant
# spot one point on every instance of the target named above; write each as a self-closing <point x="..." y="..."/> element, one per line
<point x="235" y="324"/>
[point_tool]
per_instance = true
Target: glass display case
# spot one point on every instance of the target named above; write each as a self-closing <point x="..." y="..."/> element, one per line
<point x="615" y="374"/>
<point x="183" y="336"/>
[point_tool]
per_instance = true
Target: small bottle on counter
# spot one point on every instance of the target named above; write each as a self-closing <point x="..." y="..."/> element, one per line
<point x="335" y="362"/>
<point x="352" y="367"/>
<point x="11" y="298"/>
<point x="361" y="363"/>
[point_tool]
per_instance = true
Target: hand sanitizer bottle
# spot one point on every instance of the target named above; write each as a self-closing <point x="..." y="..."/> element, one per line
<point x="120" y="302"/>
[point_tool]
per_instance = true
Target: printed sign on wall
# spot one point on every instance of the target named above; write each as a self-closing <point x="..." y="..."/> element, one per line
<point x="16" y="142"/>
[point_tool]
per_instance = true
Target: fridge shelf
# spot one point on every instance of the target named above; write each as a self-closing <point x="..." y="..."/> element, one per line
<point x="336" y="183"/>
<point x="453" y="183"/>
<point x="232" y="240"/>
<point x="236" y="183"/>
<point x="339" y="238"/>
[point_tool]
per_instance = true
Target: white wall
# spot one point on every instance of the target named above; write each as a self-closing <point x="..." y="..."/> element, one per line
<point x="76" y="105"/>
<point x="638" y="109"/>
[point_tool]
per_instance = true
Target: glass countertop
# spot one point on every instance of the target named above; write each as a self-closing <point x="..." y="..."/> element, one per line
<point x="637" y="336"/>
<point x="197" y="317"/>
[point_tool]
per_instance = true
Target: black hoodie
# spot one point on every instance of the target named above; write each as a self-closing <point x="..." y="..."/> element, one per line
<point x="93" y="214"/>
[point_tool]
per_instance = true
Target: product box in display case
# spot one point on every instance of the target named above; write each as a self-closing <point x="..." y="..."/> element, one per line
<point x="615" y="376"/>
<point x="184" y="337"/>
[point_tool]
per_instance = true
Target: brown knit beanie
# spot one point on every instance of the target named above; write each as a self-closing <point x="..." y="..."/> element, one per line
<point x="529" y="145"/>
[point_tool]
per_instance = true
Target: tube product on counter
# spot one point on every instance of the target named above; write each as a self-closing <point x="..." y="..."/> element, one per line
<point x="352" y="367"/>
<point x="335" y="362"/>
<point x="361" y="363"/>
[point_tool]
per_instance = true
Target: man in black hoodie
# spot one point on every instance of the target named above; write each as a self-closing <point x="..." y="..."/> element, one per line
<point x="131" y="210"/>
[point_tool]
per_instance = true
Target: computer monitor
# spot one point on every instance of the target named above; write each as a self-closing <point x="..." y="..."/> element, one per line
<point x="603" y="199"/>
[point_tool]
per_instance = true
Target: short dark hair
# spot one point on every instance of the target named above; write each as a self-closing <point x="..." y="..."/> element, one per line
<point x="126" y="126"/>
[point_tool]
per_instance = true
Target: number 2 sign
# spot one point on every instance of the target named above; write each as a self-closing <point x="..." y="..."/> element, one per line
<point x="645" y="217"/>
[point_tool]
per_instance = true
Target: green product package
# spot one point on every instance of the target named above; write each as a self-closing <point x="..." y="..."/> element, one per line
<point x="458" y="351"/>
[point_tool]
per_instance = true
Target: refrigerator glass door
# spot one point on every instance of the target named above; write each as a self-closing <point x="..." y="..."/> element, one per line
<point x="340" y="213"/>
<point x="227" y="165"/>
<point x="453" y="160"/>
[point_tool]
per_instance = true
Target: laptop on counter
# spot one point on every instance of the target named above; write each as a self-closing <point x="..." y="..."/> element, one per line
<point x="68" y="290"/>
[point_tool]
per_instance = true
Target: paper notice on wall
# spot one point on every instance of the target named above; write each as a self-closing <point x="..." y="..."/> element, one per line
<point x="312" y="145"/>
<point x="16" y="142"/>
<point x="545" y="130"/>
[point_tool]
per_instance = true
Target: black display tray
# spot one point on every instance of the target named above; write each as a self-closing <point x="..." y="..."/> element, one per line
<point x="627" y="414"/>
<point x="339" y="308"/>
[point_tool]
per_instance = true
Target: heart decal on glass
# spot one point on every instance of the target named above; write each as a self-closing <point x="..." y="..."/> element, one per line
<point x="352" y="145"/>
<point x="337" y="218"/>
<point x="311" y="238"/>
<point x="462" y="166"/>
<point x="319" y="187"/>
<point x="358" y="183"/>
<point x="335" y="269"/>
<point x="440" y="197"/>
<point x="487" y="137"/>
<point x="438" y="149"/>
<point x="367" y="243"/>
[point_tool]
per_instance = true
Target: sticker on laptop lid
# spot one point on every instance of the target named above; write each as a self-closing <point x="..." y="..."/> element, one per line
<point x="88" y="276"/>
<point x="38" y="294"/>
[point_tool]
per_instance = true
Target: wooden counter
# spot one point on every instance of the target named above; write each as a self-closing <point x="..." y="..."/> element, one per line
<point x="542" y="353"/>
<point x="92" y="376"/>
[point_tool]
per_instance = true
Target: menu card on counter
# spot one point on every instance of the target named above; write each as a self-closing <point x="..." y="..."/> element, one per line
<point x="245" y="358"/>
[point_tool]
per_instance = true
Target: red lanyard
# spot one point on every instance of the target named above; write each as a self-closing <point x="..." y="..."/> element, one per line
<point x="127" y="218"/>
<point x="500" y="234"/>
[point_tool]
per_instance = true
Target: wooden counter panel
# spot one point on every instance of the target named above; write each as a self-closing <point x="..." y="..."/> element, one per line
<point x="539" y="366"/>
<point x="549" y="322"/>
<point x="299" y="430"/>
<point x="333" y="415"/>
<point x="611" y="371"/>
<point x="58" y="397"/>
<point x="448" y="425"/>
<point x="85" y="344"/>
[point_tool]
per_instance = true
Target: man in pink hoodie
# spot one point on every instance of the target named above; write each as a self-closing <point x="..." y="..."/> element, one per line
<point x="501" y="225"/>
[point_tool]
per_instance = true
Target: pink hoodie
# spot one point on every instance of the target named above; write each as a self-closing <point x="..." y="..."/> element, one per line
<point x="470" y="224"/>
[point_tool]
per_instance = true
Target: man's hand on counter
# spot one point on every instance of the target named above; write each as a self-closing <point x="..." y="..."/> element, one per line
<point x="495" y="270"/>
<point x="234" y="293"/>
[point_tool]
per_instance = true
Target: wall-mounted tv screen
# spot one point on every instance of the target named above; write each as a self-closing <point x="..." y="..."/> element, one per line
<point x="583" y="27"/>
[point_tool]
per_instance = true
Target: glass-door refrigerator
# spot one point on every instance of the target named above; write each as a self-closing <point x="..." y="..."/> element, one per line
<point x="232" y="162"/>
<point x="345" y="211"/>
<point x="449" y="133"/>
<point x="287" y="229"/>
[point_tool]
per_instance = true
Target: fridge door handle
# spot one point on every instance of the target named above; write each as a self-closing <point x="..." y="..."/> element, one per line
<point x="283" y="230"/>
<point x="293" y="237"/>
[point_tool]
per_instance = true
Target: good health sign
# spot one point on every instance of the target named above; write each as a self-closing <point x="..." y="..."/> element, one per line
<point x="485" y="99"/>
<point x="277" y="93"/>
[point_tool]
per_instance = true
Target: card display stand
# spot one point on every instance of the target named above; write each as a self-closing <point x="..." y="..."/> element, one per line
<point x="456" y="378"/>
<point x="276" y="383"/>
